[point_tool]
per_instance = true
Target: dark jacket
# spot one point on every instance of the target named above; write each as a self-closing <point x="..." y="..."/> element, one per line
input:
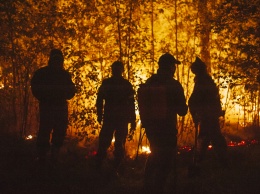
<point x="204" y="101"/>
<point x="52" y="86"/>
<point x="116" y="96"/>
<point x="176" y="101"/>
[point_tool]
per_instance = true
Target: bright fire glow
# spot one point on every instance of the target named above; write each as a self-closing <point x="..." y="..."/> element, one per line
<point x="146" y="149"/>
<point x="137" y="112"/>
<point x="242" y="143"/>
<point x="29" y="137"/>
<point x="139" y="122"/>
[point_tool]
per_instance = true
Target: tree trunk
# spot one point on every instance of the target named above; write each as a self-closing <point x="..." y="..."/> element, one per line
<point x="205" y="32"/>
<point x="119" y="30"/>
<point x="152" y="39"/>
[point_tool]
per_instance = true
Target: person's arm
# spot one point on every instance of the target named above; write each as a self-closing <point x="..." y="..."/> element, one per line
<point x="38" y="88"/>
<point x="71" y="89"/>
<point x="132" y="111"/>
<point x="181" y="106"/>
<point x="196" y="102"/>
<point x="99" y="103"/>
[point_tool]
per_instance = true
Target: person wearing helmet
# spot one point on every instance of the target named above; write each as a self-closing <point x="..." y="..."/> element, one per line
<point x="205" y="108"/>
<point x="115" y="109"/>
<point x="167" y="100"/>
<point x="52" y="86"/>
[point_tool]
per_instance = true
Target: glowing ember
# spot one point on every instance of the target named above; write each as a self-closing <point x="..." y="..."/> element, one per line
<point x="254" y="141"/>
<point x="242" y="143"/>
<point x="209" y="147"/>
<point x="232" y="144"/>
<point x="184" y="149"/>
<point x="91" y="154"/>
<point x="29" y="137"/>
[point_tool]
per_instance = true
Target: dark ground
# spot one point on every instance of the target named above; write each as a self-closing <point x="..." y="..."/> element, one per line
<point x="75" y="173"/>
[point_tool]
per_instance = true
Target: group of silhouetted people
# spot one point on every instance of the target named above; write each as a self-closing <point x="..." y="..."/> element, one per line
<point x="161" y="100"/>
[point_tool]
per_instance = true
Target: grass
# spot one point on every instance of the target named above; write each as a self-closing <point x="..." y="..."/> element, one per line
<point x="75" y="173"/>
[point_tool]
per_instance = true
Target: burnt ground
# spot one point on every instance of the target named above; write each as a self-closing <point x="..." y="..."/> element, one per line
<point x="75" y="173"/>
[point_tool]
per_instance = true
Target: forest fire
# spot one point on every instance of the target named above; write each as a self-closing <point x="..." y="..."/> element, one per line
<point x="92" y="34"/>
<point x="129" y="31"/>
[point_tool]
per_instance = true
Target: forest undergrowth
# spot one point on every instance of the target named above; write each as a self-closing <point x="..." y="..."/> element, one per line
<point x="75" y="172"/>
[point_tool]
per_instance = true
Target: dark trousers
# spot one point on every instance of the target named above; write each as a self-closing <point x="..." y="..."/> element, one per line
<point x="163" y="142"/>
<point x="108" y="130"/>
<point x="210" y="132"/>
<point x="53" y="126"/>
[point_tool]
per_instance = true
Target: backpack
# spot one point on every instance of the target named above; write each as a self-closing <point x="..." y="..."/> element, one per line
<point x="152" y="102"/>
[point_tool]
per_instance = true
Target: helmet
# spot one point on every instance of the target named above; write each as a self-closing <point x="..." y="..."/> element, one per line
<point x="198" y="66"/>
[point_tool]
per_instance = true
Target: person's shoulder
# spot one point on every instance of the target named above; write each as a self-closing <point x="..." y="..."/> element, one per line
<point x="209" y="80"/>
<point x="118" y="80"/>
<point x="176" y="83"/>
<point x="126" y="81"/>
<point x="122" y="82"/>
<point x="65" y="72"/>
<point x="106" y="81"/>
<point x="152" y="79"/>
<point x="204" y="76"/>
<point x="58" y="72"/>
<point x="173" y="80"/>
<point x="41" y="70"/>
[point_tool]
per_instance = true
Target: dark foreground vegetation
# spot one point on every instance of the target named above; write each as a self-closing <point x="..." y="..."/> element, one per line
<point x="76" y="174"/>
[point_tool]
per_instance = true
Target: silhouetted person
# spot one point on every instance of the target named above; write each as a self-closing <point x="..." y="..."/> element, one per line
<point x="205" y="108"/>
<point x="116" y="108"/>
<point x="161" y="129"/>
<point x="52" y="86"/>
